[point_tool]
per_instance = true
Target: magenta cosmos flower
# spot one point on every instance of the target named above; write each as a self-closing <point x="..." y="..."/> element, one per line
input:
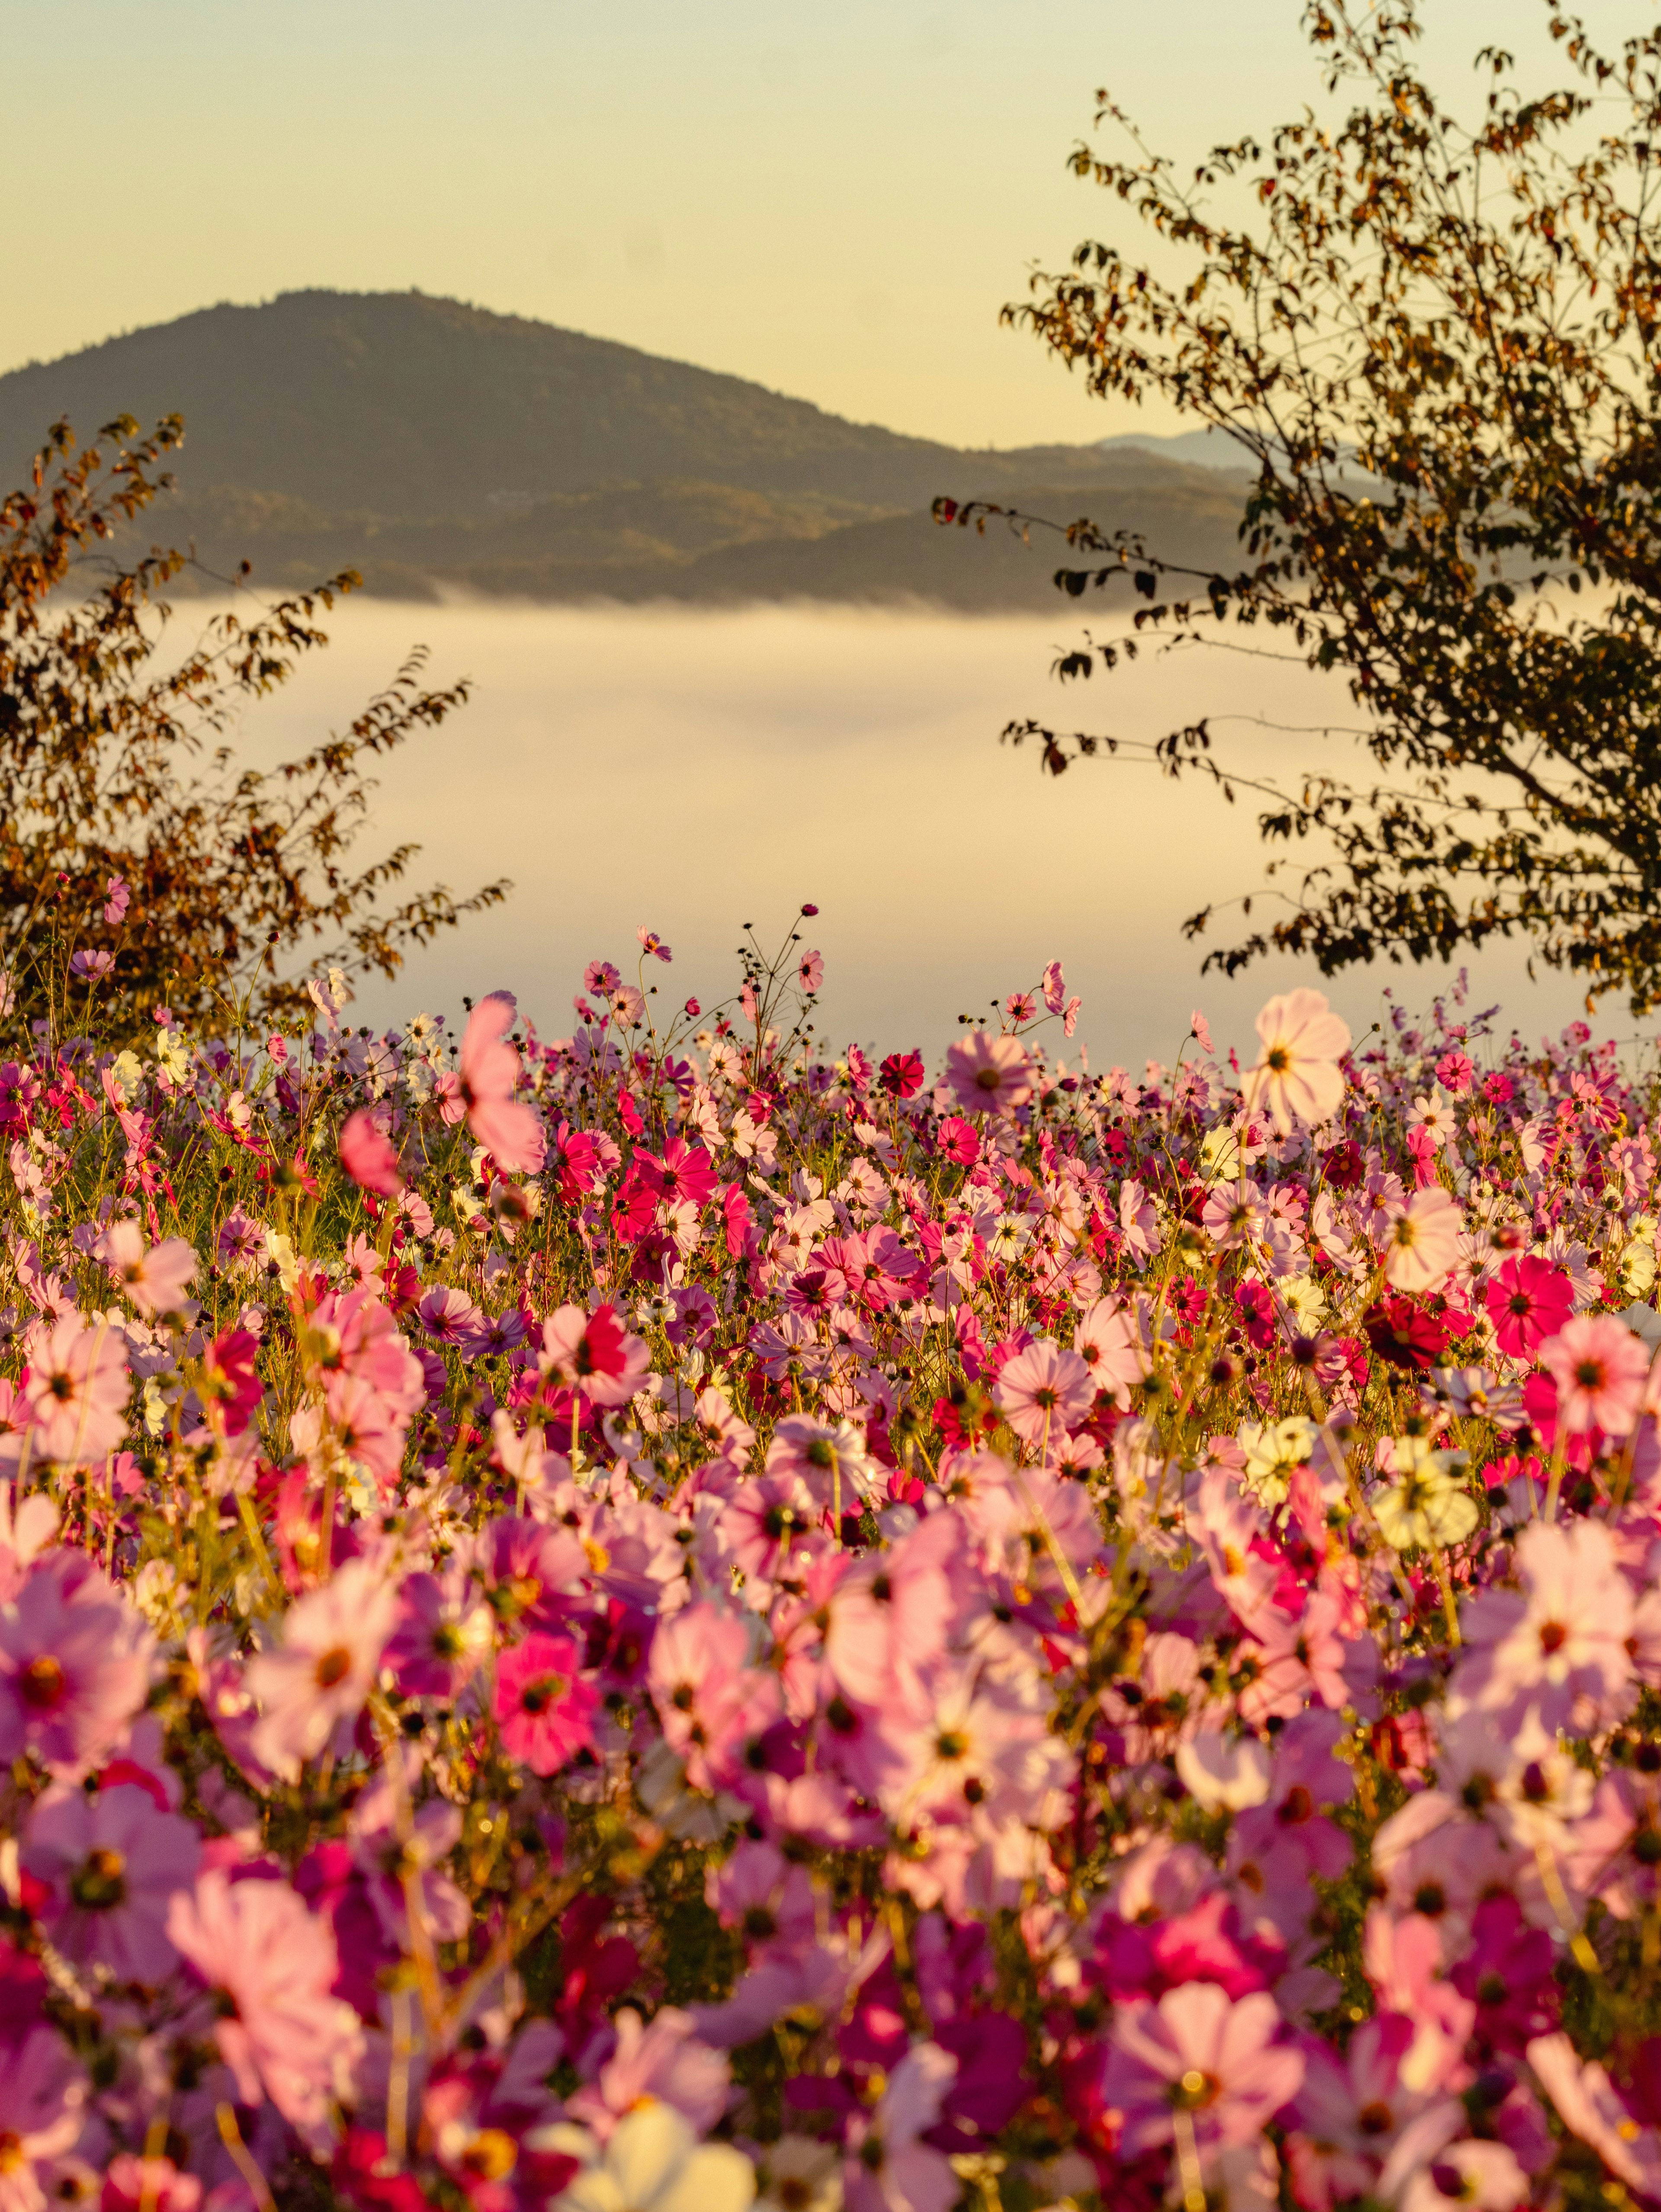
<point x="1198" y="2052"/>
<point x="989" y="1074"/>
<point x="543" y="1707"/>
<point x="1297" y="1075"/>
<point x="1045" y="1391"/>
<point x="1600" y="1368"/>
<point x="1528" y="1301"/>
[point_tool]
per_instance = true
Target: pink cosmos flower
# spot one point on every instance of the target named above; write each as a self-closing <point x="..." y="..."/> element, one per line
<point x="595" y="1353"/>
<point x="1528" y="1300"/>
<point x="889" y="2168"/>
<point x="1297" y="1075"/>
<point x="652" y="945"/>
<point x="324" y="1667"/>
<point x="1562" y="1640"/>
<point x="1600" y="1368"/>
<point x="91" y="967"/>
<point x="1422" y="1243"/>
<point x="74" y="1665"/>
<point x="110" y="1865"/>
<point x="989" y="1074"/>
<point x="810" y="970"/>
<point x="1045" y="1391"/>
<point x="368" y="1154"/>
<point x="1110" y="1343"/>
<point x="132" y="2183"/>
<point x="443" y="1632"/>
<point x="708" y="1693"/>
<point x="450" y="1315"/>
<point x="509" y="1130"/>
<point x="42" y="2095"/>
<point x="662" y="2063"/>
<point x="156" y="1279"/>
<point x="77" y="1393"/>
<point x="271" y="1966"/>
<point x="1198" y="2052"/>
<point x="1589" y="2106"/>
<point x="117" y="896"/>
<point x="543" y="1707"/>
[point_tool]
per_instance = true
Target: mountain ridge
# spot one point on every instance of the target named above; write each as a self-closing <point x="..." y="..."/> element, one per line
<point x="433" y="444"/>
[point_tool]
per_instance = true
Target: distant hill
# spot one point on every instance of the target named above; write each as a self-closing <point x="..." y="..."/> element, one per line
<point x="434" y="445"/>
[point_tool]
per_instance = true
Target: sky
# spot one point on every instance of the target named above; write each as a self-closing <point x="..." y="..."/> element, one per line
<point x="834" y="200"/>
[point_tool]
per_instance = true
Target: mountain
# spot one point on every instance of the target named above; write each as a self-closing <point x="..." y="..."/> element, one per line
<point x="436" y="445"/>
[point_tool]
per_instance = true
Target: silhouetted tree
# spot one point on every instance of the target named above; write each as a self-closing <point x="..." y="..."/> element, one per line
<point x="1436" y="347"/>
<point x="113" y="762"/>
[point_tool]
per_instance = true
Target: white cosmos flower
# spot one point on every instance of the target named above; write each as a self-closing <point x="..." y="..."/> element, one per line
<point x="654" y="2163"/>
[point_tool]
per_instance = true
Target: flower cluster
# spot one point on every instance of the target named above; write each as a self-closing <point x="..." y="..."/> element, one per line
<point x="654" y="1619"/>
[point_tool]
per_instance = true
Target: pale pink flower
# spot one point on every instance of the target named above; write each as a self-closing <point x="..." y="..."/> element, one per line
<point x="1600" y="1368"/>
<point x="117" y="896"/>
<point x="1200" y="1031"/>
<point x="324" y="1667"/>
<point x="1110" y="1343"/>
<point x="1351" y="2114"/>
<point x="652" y="945"/>
<point x="1139" y="1221"/>
<point x="830" y="1460"/>
<point x="110" y="1865"/>
<point x="1045" y="1391"/>
<point x="1198" y="2052"/>
<point x="1422" y="1243"/>
<point x="663" y="2062"/>
<point x="74" y="1665"/>
<point x="77" y="1393"/>
<point x="709" y="1693"/>
<point x="1589" y="2107"/>
<point x="271" y="1965"/>
<point x="368" y="1154"/>
<point x="1559" y="1643"/>
<point x="889" y="2168"/>
<point x="1297" y="1075"/>
<point x="509" y="1130"/>
<point x="1484" y="2176"/>
<point x="989" y="1074"/>
<point x="810" y="971"/>
<point x="156" y="1278"/>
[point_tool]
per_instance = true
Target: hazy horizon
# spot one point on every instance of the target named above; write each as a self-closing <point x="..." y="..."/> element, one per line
<point x="690" y="770"/>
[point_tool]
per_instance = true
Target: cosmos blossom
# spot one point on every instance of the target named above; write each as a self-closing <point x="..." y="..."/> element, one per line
<point x="369" y="1155"/>
<point x="511" y="1132"/>
<point x="1600" y="1368"/>
<point x="544" y="1706"/>
<point x="1528" y="1300"/>
<point x="1297" y="1075"/>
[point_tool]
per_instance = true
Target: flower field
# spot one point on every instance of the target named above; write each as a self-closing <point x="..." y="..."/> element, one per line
<point x="665" y="1618"/>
